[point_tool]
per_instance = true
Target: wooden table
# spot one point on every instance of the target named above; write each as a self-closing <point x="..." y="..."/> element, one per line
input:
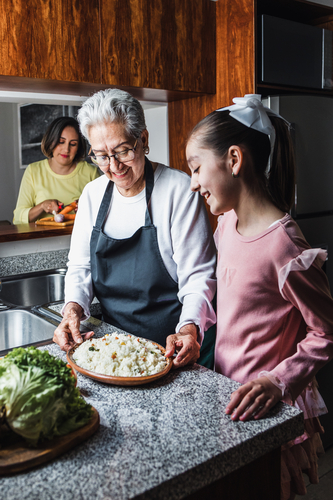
<point x="21" y="232"/>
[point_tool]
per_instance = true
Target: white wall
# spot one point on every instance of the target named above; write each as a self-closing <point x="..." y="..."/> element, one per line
<point x="157" y="126"/>
<point x="26" y="247"/>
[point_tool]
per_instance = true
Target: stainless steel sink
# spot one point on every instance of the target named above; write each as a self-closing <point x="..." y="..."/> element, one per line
<point x="33" y="289"/>
<point x="26" y="317"/>
<point x="20" y="328"/>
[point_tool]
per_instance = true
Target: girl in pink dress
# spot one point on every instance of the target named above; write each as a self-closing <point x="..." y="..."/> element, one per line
<point x="274" y="307"/>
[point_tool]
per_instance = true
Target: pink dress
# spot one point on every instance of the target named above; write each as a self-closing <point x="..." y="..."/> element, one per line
<point x="275" y="318"/>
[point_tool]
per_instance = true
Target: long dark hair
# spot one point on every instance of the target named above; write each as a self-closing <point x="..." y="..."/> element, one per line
<point x="53" y="133"/>
<point x="218" y="131"/>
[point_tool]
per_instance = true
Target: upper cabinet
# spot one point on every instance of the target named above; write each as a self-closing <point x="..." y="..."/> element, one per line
<point x="54" y="40"/>
<point x="167" y="47"/>
<point x="161" y="45"/>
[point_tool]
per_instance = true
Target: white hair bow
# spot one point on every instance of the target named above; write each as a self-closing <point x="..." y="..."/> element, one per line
<point x="250" y="111"/>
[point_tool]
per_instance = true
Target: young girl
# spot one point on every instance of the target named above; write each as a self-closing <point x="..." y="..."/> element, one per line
<point x="274" y="308"/>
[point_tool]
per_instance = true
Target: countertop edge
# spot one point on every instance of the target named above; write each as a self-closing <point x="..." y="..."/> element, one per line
<point x="223" y="464"/>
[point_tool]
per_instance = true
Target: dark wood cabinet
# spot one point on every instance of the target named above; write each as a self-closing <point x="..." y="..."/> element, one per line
<point x="158" y="44"/>
<point x="235" y="75"/>
<point x="56" y="40"/>
<point x="157" y="50"/>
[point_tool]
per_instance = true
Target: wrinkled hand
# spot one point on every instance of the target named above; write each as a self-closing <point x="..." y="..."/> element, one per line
<point x="67" y="334"/>
<point x="253" y="400"/>
<point x="185" y="344"/>
<point x="50" y="206"/>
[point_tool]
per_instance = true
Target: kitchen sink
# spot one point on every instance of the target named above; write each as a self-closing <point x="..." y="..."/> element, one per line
<point x="26" y="315"/>
<point x="31" y="289"/>
<point x="20" y="328"/>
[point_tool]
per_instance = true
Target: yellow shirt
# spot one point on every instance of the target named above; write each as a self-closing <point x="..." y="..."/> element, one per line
<point x="40" y="183"/>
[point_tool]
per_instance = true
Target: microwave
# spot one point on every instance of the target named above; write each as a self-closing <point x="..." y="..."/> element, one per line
<point x="295" y="54"/>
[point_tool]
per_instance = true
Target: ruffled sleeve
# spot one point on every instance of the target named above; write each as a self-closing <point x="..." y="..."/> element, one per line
<point x="301" y="263"/>
<point x="303" y="284"/>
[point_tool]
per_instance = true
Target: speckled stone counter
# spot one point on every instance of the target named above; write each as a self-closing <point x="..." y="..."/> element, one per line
<point x="20" y="264"/>
<point x="163" y="441"/>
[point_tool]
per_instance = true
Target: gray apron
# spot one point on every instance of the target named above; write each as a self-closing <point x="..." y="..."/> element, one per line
<point x="136" y="292"/>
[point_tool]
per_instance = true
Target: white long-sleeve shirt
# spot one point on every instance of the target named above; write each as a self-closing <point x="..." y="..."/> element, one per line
<point x="184" y="238"/>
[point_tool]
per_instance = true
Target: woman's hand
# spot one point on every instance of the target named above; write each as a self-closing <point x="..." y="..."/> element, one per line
<point x="67" y="334"/>
<point x="253" y="400"/>
<point x="185" y="344"/>
<point x="48" y="206"/>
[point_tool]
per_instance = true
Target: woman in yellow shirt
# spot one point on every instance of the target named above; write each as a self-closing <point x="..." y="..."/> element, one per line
<point x="60" y="178"/>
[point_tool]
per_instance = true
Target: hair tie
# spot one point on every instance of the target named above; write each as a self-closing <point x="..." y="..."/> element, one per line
<point x="250" y="111"/>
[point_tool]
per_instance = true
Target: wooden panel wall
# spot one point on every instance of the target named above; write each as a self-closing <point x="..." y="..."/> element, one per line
<point x="56" y="40"/>
<point x="235" y="76"/>
<point x="159" y="44"/>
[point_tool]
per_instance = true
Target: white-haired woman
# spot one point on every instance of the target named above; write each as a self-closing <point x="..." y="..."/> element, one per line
<point x="141" y="243"/>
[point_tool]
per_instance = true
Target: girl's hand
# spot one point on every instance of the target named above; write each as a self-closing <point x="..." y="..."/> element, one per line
<point x="253" y="400"/>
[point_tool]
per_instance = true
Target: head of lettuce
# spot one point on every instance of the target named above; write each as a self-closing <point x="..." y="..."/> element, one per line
<point x="38" y="396"/>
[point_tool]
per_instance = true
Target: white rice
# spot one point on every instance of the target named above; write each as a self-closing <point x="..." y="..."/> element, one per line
<point x="120" y="355"/>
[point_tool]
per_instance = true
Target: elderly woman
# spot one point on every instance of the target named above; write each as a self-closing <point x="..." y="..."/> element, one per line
<point x="141" y="243"/>
<point x="60" y="178"/>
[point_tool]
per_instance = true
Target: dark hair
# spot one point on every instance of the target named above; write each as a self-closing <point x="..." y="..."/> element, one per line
<point x="218" y="131"/>
<point x="53" y="133"/>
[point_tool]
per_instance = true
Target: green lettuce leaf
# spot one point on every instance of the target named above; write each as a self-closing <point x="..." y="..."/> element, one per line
<point x="39" y="395"/>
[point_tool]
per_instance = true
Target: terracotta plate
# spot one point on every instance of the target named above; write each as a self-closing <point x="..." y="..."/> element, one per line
<point x="109" y="379"/>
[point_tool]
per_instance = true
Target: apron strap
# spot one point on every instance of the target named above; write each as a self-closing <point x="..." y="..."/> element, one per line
<point x="104" y="207"/>
<point x="149" y="174"/>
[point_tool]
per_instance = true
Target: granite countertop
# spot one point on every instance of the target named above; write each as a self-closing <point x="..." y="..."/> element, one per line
<point x="163" y="440"/>
<point x="40" y="261"/>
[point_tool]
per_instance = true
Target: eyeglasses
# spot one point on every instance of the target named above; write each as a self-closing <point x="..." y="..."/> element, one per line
<point x="122" y="157"/>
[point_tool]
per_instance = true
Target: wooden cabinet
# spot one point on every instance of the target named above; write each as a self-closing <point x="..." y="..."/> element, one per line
<point x="158" y="44"/>
<point x="236" y="64"/>
<point x="57" y="40"/>
<point x="235" y="75"/>
<point x="167" y="48"/>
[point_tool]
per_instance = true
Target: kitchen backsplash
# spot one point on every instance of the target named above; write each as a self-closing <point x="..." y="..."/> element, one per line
<point x="20" y="264"/>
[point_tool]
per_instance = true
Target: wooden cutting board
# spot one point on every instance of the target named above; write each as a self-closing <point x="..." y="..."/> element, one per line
<point x="52" y="223"/>
<point x="16" y="456"/>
